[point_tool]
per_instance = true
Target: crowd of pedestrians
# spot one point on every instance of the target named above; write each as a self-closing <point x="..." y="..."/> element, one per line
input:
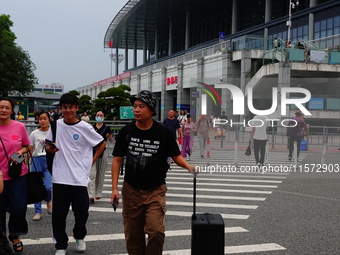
<point x="78" y="170"/>
<point x="79" y="166"/>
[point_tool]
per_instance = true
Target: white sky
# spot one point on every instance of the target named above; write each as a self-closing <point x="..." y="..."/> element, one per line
<point x="65" y="38"/>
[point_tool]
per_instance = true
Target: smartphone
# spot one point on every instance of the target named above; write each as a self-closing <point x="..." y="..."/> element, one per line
<point x="50" y="143"/>
<point x="17" y="158"/>
<point x="115" y="204"/>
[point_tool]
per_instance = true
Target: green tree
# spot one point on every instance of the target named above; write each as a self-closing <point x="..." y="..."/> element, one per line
<point x="116" y="97"/>
<point x="110" y="100"/>
<point x="74" y="92"/>
<point x="85" y="104"/>
<point x="99" y="104"/>
<point x="16" y="68"/>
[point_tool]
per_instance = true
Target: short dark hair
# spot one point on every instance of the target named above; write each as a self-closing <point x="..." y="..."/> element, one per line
<point x="68" y="98"/>
<point x="298" y="113"/>
<point x="10" y="100"/>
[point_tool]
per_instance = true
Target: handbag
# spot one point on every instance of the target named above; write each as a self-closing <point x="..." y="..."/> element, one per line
<point x="36" y="190"/>
<point x="248" y="151"/>
<point x="14" y="168"/>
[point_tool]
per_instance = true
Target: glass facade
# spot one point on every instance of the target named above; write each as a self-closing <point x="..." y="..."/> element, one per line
<point x="327" y="27"/>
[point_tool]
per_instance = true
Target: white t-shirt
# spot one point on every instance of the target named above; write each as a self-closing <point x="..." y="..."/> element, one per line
<point x="37" y="139"/>
<point x="260" y="132"/>
<point x="72" y="163"/>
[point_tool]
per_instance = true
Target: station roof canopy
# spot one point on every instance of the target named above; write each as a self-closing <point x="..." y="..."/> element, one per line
<point x="140" y="18"/>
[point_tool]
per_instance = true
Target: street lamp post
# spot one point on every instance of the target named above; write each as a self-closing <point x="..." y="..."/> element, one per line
<point x="292" y="4"/>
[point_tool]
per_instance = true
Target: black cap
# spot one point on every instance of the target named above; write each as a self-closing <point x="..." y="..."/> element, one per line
<point x="147" y="97"/>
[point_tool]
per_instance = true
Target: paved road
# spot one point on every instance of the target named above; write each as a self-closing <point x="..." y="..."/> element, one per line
<point x="279" y="212"/>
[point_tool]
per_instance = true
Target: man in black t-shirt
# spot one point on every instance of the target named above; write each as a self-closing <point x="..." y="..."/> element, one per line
<point x="173" y="124"/>
<point x="146" y="144"/>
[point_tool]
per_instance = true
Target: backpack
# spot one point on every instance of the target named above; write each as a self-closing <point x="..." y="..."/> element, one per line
<point x="199" y="121"/>
<point x="50" y="156"/>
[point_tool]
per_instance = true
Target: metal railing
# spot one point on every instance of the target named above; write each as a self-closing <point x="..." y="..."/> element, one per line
<point x="276" y="137"/>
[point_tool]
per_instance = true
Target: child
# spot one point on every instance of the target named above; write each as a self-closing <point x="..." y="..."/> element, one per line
<point x="5" y="248"/>
<point x="37" y="138"/>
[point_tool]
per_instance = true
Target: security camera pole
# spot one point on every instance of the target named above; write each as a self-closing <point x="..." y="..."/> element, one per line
<point x="292" y="4"/>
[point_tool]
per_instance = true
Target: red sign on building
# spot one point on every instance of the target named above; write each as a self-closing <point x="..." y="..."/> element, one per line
<point x="171" y="80"/>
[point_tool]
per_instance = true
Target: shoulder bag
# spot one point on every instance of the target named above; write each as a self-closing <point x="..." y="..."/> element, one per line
<point x="50" y="156"/>
<point x="14" y="168"/>
<point x="36" y="190"/>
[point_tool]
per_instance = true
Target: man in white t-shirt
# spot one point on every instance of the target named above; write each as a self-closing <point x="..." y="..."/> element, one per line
<point x="72" y="163"/>
<point x="259" y="133"/>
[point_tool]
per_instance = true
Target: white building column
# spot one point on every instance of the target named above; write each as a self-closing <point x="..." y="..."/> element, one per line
<point x="245" y="67"/>
<point x="183" y="95"/>
<point x="145" y="51"/>
<point x="230" y="73"/>
<point x="126" y="56"/>
<point x="138" y="83"/>
<point x="199" y="78"/>
<point x="135" y="51"/>
<point x="284" y="78"/>
<point x="166" y="96"/>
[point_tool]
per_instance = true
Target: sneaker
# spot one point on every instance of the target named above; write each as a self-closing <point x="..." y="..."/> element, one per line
<point x="202" y="156"/>
<point x="290" y="158"/>
<point x="80" y="245"/>
<point x="37" y="217"/>
<point x="91" y="200"/>
<point x="60" y="252"/>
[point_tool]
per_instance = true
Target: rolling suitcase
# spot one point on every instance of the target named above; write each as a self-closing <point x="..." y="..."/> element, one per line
<point x="207" y="232"/>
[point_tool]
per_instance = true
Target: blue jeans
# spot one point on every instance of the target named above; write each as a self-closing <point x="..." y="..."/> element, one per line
<point x="14" y="201"/>
<point x="40" y="165"/>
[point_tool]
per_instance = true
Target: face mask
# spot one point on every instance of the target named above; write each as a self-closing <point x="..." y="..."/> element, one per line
<point x="99" y="119"/>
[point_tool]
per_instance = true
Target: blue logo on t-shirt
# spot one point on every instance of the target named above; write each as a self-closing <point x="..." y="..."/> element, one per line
<point x="75" y="137"/>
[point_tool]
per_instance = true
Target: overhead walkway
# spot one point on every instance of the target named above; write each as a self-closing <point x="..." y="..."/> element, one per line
<point x="304" y="63"/>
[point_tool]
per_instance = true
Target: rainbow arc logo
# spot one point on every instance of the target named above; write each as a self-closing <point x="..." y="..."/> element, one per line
<point x="210" y="91"/>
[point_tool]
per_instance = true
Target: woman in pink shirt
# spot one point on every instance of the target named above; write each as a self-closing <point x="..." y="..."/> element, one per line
<point x="188" y="129"/>
<point x="14" y="139"/>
